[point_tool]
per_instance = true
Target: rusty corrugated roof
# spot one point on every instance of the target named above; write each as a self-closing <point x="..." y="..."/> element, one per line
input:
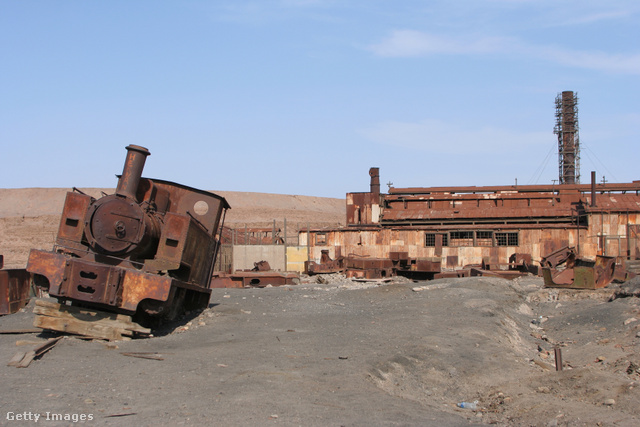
<point x="614" y="202"/>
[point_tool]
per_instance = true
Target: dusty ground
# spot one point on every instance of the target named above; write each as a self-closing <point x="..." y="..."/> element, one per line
<point x="335" y="352"/>
<point x="344" y="353"/>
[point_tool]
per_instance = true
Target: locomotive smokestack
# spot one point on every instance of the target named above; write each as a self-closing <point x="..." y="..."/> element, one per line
<point x="374" y="173"/>
<point x="132" y="172"/>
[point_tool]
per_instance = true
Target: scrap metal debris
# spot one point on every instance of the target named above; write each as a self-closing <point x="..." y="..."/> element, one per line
<point x="581" y="273"/>
<point x="260" y="276"/>
<point x="143" y="355"/>
<point x="14" y="288"/>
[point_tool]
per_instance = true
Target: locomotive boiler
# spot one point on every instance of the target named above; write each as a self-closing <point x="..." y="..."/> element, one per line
<point x="147" y="251"/>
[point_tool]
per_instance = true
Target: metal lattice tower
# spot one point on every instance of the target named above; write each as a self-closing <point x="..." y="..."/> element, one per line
<point x="568" y="139"/>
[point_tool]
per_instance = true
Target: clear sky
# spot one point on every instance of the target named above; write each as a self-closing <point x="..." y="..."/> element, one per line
<point x="304" y="96"/>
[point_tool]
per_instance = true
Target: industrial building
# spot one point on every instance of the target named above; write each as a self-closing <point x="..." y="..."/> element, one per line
<point x="462" y="226"/>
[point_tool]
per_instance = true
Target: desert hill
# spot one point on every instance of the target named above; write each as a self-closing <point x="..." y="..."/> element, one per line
<point x="29" y="217"/>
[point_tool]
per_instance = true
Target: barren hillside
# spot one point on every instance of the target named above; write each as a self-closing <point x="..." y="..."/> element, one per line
<point x="29" y="217"/>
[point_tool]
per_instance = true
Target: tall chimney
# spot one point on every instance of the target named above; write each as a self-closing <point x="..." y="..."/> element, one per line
<point x="374" y="173"/>
<point x="568" y="141"/>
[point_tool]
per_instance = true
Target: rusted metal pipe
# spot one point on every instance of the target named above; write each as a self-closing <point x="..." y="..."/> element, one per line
<point x="593" y="188"/>
<point x="374" y="173"/>
<point x="132" y="172"/>
<point x="558" y="355"/>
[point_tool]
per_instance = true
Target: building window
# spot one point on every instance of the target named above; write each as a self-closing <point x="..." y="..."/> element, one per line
<point x="506" y="239"/>
<point x="461" y="238"/>
<point x="321" y="239"/>
<point x="484" y="238"/>
<point x="430" y="239"/>
<point x="468" y="238"/>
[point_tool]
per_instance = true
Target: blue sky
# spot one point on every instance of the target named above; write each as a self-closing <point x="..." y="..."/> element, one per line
<point x="304" y="96"/>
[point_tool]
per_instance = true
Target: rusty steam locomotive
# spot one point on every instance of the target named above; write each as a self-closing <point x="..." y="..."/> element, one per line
<point x="147" y="251"/>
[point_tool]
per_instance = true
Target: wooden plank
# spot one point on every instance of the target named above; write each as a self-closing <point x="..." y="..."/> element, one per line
<point x="17" y="358"/>
<point x="43" y="307"/>
<point x="65" y="315"/>
<point x="23" y="359"/>
<point x="83" y="321"/>
<point x="20" y="331"/>
<point x="46" y="346"/>
<point x="26" y="361"/>
<point x="79" y="327"/>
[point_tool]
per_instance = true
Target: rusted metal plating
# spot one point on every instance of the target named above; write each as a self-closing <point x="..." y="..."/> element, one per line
<point x="260" y="276"/>
<point x="327" y="265"/>
<point x="14" y="289"/>
<point x="584" y="274"/>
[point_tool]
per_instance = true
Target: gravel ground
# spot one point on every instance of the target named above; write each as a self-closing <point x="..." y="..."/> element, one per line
<point x="332" y="351"/>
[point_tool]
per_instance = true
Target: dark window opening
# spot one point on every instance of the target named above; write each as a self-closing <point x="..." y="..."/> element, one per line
<point x="430" y="240"/>
<point x="506" y="239"/>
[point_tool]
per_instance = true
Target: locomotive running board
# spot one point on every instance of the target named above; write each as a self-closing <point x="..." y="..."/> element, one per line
<point x="86" y="322"/>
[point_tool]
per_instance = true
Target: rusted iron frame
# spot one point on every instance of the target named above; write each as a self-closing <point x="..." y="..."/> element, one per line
<point x="503" y="274"/>
<point x="253" y="279"/>
<point x="15" y="287"/>
<point x="557" y="351"/>
<point x="369" y="273"/>
<point x="498" y="220"/>
<point x="585" y="274"/>
<point x="135" y="286"/>
<point x="217" y="244"/>
<point x="498" y="227"/>
<point x="334" y="266"/>
<point x="582" y="188"/>
<point x="261" y="266"/>
<point x="559" y="257"/>
<point x="467" y="197"/>
<point x="326" y="265"/>
<point x="453" y="274"/>
<point x="363" y="267"/>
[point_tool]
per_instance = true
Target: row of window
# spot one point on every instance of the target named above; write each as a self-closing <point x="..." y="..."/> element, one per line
<point x="472" y="238"/>
<point x="459" y="238"/>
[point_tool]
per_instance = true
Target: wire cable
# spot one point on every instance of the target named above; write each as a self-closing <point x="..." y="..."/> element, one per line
<point x="599" y="161"/>
<point x="539" y="171"/>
